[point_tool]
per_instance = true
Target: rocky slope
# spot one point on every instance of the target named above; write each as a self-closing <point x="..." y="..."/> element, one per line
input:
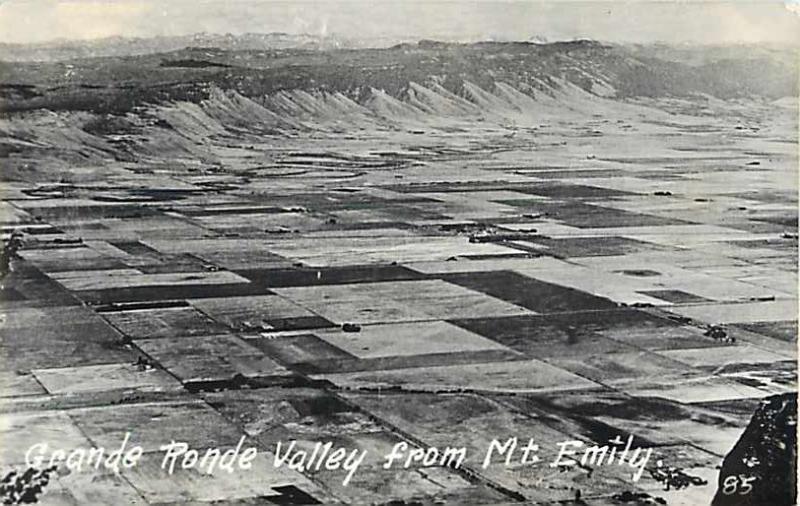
<point x="761" y="468"/>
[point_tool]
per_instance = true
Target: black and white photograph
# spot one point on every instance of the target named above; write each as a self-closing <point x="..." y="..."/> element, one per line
<point x="399" y="252"/>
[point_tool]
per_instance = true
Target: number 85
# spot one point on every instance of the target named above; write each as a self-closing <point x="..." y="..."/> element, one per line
<point x="738" y="484"/>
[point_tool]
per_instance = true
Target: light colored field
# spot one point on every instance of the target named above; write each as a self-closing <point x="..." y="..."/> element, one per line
<point x="403" y="339"/>
<point x="398" y="301"/>
<point x="516" y="376"/>
<point x="100" y="378"/>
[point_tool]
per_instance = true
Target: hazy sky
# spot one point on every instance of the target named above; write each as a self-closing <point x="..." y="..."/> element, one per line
<point x="623" y="21"/>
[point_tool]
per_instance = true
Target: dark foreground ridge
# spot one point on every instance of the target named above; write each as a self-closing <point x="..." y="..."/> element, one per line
<point x="766" y="452"/>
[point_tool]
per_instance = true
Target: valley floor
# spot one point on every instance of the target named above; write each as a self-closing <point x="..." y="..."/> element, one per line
<point x="549" y="277"/>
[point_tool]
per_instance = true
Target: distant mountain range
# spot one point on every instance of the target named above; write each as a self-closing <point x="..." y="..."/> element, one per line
<point x="60" y="50"/>
<point x="173" y="101"/>
<point x="260" y="65"/>
<point x="127" y="46"/>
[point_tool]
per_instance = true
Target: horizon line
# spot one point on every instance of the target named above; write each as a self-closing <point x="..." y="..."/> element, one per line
<point x="468" y="39"/>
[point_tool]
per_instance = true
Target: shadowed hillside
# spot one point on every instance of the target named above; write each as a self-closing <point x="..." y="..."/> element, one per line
<point x="118" y="84"/>
<point x="176" y="105"/>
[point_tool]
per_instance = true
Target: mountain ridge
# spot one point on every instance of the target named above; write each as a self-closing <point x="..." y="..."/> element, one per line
<point x="120" y="84"/>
